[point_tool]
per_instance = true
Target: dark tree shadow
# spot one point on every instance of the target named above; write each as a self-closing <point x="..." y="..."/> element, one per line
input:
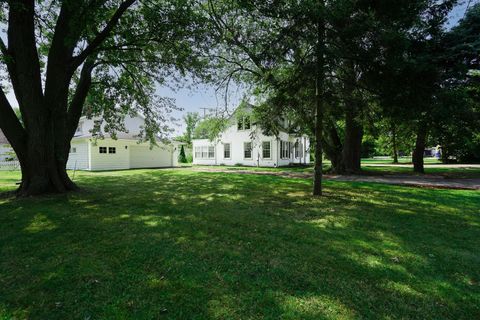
<point x="183" y="245"/>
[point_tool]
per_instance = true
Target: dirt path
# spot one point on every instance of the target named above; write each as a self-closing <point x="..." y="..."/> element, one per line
<point x="430" y="181"/>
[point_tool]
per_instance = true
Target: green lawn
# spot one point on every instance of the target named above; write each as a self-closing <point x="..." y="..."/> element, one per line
<point x="178" y="244"/>
<point x="401" y="160"/>
<point x="454" y="173"/>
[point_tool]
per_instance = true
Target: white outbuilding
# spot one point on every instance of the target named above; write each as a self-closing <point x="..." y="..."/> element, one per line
<point x="125" y="152"/>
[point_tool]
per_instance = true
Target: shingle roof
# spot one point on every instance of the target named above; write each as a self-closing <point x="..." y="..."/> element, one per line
<point x="3" y="139"/>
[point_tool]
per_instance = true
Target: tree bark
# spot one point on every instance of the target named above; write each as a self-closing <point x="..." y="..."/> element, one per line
<point x="394" y="144"/>
<point x="333" y="148"/>
<point x="42" y="143"/>
<point x="319" y="102"/>
<point x="352" y="148"/>
<point x="418" y="152"/>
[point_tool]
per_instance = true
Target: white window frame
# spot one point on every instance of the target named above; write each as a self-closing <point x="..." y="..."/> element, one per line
<point x="211" y="152"/>
<point x="245" y="149"/>
<point x="269" y="150"/>
<point x="241" y="121"/>
<point x="229" y="150"/>
<point x="285" y="150"/>
<point x="105" y="149"/>
<point x="110" y="149"/>
<point x="198" y="152"/>
<point x="205" y="152"/>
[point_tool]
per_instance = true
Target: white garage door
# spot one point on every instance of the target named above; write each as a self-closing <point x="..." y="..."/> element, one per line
<point x="143" y="157"/>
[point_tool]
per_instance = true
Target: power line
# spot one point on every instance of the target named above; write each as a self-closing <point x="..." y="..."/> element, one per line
<point x="466" y="10"/>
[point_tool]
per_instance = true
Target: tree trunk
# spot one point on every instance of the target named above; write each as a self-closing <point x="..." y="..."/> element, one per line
<point x="352" y="147"/>
<point x="41" y="177"/>
<point x="333" y="148"/>
<point x="418" y="152"/>
<point x="394" y="144"/>
<point x="319" y="103"/>
<point x="43" y="165"/>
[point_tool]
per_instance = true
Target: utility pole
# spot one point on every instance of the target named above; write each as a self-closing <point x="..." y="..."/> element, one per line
<point x="204" y="112"/>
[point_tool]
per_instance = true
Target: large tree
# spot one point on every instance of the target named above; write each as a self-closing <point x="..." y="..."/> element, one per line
<point x="108" y="54"/>
<point x="315" y="60"/>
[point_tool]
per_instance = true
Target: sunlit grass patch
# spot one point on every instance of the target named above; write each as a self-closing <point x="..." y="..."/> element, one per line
<point x="179" y="244"/>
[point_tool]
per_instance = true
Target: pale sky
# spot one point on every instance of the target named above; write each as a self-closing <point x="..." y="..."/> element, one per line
<point x="204" y="96"/>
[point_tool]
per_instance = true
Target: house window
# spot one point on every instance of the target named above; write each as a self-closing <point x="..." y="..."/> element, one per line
<point x="246" y="123"/>
<point x="266" y="150"/>
<point x="243" y="123"/>
<point x="240" y="123"/>
<point x="284" y="149"/>
<point x="226" y="151"/>
<point x="102" y="149"/>
<point x="247" y="150"/>
<point x="205" y="152"/>
<point x="211" y="152"/>
<point x="198" y="152"/>
<point x="73" y="150"/>
<point x="112" y="150"/>
<point x="298" y="149"/>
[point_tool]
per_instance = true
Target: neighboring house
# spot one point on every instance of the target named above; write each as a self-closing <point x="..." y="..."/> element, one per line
<point x="88" y="153"/>
<point x="6" y="152"/>
<point x="243" y="143"/>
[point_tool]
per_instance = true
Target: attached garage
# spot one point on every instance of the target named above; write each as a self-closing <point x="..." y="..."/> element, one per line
<point x="109" y="154"/>
<point x="144" y="157"/>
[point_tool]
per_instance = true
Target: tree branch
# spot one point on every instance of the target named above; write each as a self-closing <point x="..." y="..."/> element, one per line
<point x="98" y="40"/>
<point x="76" y="105"/>
<point x="11" y="126"/>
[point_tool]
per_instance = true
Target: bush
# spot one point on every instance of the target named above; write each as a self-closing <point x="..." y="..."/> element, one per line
<point x="181" y="157"/>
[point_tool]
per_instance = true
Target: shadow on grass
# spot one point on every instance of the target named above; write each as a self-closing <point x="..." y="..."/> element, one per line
<point x="182" y="245"/>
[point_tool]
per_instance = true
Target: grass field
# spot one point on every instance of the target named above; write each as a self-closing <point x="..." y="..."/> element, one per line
<point x="178" y="244"/>
<point x="456" y="173"/>
<point x="401" y="160"/>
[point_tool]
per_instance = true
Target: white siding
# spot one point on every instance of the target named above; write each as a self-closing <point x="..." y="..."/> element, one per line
<point x="108" y="161"/>
<point x="129" y="155"/>
<point x="237" y="138"/>
<point x="142" y="157"/>
<point x="79" y="158"/>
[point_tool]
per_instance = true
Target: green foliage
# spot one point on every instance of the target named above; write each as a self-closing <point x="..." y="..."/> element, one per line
<point x="210" y="128"/>
<point x="181" y="157"/>
<point x="191" y="120"/>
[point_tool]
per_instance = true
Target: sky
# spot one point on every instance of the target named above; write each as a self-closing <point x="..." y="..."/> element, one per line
<point x="195" y="98"/>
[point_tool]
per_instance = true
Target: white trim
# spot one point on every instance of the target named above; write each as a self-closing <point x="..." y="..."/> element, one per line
<point x="270" y="149"/>
<point x="251" y="150"/>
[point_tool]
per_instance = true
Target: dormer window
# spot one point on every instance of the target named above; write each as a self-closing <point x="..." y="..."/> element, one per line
<point x="243" y="123"/>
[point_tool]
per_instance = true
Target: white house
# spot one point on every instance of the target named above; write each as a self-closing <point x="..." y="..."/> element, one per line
<point x="5" y="150"/>
<point x="243" y="143"/>
<point x="87" y="153"/>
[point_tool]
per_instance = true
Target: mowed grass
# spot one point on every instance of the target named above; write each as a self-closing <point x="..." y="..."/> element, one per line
<point x="178" y="244"/>
<point x="452" y="173"/>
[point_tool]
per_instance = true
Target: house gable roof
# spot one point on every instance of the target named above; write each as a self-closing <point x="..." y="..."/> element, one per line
<point x="3" y="139"/>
